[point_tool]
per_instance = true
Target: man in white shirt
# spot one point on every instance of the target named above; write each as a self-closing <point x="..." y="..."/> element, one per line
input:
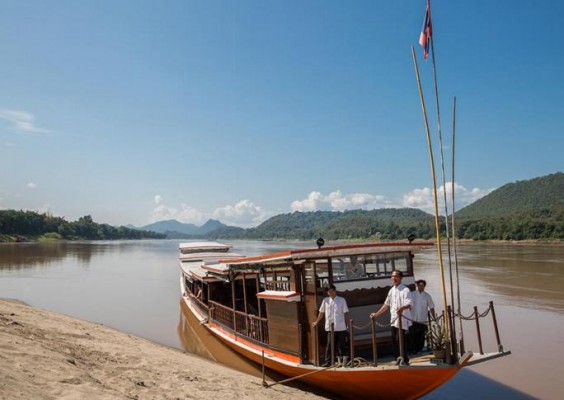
<point x="335" y="310"/>
<point x="422" y="305"/>
<point x="399" y="303"/>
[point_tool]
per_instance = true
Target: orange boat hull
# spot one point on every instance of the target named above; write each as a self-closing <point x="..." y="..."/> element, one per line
<point x="387" y="382"/>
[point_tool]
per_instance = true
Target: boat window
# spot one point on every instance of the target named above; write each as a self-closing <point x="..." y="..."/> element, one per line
<point x="276" y="279"/>
<point x="322" y="274"/>
<point x="370" y="266"/>
<point x="349" y="267"/>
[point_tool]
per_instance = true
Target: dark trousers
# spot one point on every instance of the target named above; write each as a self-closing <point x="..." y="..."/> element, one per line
<point x="417" y="333"/>
<point x="396" y="346"/>
<point x="341" y="348"/>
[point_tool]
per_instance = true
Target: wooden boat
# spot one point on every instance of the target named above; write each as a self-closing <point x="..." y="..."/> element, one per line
<point x="262" y="307"/>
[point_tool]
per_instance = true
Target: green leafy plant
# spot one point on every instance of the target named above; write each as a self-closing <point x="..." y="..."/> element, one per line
<point x="436" y="335"/>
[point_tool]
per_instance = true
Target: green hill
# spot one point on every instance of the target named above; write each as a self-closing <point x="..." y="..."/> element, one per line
<point x="532" y="209"/>
<point x="546" y="192"/>
<point x="332" y="225"/>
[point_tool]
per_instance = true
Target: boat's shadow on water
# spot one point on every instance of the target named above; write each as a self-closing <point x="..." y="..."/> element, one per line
<point x="471" y="385"/>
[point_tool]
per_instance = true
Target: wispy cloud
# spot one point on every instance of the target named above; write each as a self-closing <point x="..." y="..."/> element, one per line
<point x="22" y="121"/>
<point x="32" y="185"/>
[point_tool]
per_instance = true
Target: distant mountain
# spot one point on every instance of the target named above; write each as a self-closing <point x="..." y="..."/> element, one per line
<point x="171" y="225"/>
<point x="175" y="229"/>
<point x="210" y="225"/>
<point x="546" y="192"/>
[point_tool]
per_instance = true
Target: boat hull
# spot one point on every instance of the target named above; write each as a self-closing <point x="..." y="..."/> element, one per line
<point x="383" y="382"/>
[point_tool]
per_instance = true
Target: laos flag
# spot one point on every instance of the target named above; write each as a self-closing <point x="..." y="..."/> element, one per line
<point x="426" y="31"/>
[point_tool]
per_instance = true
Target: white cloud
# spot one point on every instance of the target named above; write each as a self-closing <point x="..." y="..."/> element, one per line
<point x="245" y="214"/>
<point x="22" y="121"/>
<point x="311" y="203"/>
<point x="423" y="198"/>
<point x="419" y="198"/>
<point x="184" y="214"/>
<point x="336" y="201"/>
<point x="32" y="185"/>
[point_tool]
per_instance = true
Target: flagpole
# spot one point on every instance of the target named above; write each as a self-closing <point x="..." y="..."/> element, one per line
<point x="435" y="198"/>
<point x="437" y="105"/>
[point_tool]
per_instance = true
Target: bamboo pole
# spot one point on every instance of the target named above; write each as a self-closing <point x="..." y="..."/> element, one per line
<point x="437" y="105"/>
<point x="458" y="305"/>
<point x="435" y="199"/>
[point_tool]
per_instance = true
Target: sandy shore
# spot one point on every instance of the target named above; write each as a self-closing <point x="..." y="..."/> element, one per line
<point x="44" y="355"/>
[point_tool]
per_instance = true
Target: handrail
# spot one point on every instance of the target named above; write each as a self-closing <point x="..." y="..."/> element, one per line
<point x="203" y="307"/>
<point x="249" y="325"/>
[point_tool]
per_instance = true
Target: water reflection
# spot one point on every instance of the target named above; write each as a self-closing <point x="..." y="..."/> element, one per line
<point x="29" y="255"/>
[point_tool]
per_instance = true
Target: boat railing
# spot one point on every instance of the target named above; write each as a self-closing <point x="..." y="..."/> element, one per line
<point x="222" y="314"/>
<point x="476" y="317"/>
<point x="279" y="286"/>
<point x="200" y="305"/>
<point x="251" y="326"/>
<point x="248" y="325"/>
<point x="453" y="350"/>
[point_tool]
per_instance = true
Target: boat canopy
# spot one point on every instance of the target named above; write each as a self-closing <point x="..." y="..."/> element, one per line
<point x="299" y="256"/>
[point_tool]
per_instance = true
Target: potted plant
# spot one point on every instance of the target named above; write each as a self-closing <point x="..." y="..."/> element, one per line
<point x="436" y="338"/>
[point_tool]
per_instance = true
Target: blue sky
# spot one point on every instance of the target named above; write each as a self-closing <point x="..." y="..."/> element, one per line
<point x="137" y="111"/>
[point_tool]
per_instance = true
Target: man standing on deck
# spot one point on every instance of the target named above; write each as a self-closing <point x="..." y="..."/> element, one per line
<point x="399" y="303"/>
<point x="335" y="310"/>
<point x="422" y="305"/>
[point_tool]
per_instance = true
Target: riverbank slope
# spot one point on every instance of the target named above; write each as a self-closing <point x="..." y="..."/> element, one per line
<point x="45" y="355"/>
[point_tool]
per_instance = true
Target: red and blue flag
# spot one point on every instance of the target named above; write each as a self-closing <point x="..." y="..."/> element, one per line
<point x="426" y="31"/>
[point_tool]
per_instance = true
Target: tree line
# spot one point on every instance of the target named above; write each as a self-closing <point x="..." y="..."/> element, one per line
<point x="24" y="225"/>
<point x="386" y="224"/>
<point x="397" y="224"/>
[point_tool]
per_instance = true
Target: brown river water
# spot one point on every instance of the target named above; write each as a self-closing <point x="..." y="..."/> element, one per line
<point x="133" y="286"/>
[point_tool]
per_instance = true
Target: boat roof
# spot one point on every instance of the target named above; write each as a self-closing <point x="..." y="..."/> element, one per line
<point x="196" y="247"/>
<point x="330" y="251"/>
<point x="288" y="296"/>
<point x="209" y="256"/>
<point x="194" y="270"/>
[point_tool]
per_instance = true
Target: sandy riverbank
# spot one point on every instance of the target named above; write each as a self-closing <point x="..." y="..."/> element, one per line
<point x="44" y="355"/>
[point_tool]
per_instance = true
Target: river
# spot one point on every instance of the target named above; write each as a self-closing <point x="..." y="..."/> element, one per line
<point x="133" y="286"/>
